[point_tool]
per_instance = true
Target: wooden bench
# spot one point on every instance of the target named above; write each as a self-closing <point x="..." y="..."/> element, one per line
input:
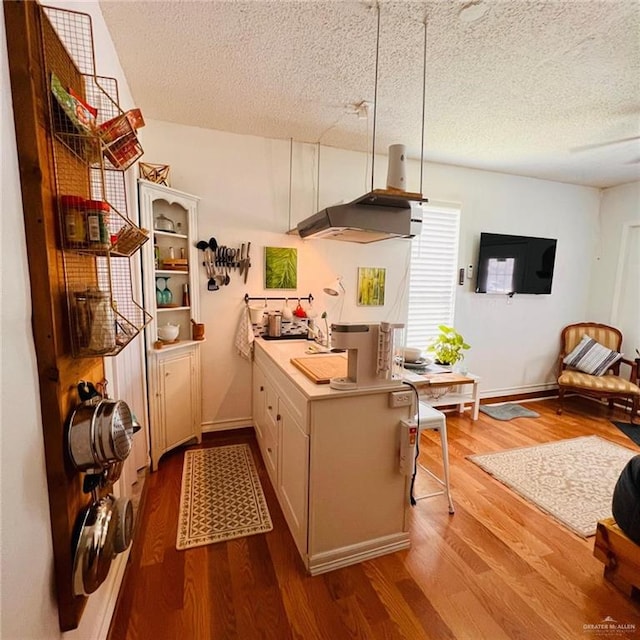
<point x="621" y="557"/>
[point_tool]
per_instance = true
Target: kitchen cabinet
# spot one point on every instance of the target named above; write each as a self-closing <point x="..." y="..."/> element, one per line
<point x="332" y="457"/>
<point x="171" y="291"/>
<point x="257" y="402"/>
<point x="285" y="451"/>
<point x="179" y="397"/>
<point x="293" y="473"/>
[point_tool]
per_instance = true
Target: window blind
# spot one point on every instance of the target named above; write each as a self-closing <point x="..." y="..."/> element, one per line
<point x="432" y="274"/>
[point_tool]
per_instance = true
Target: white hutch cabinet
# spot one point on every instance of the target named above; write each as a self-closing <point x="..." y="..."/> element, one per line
<point x="171" y="292"/>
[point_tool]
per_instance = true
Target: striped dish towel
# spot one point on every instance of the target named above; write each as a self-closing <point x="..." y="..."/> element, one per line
<point x="244" y="335"/>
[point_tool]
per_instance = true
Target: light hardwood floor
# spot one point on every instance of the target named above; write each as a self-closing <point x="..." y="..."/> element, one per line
<point x="498" y="569"/>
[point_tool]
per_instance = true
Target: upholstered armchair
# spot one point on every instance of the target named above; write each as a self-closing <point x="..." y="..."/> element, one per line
<point x="589" y="365"/>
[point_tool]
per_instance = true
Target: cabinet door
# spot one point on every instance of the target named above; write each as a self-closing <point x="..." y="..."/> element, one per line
<point x="293" y="472"/>
<point x="178" y="398"/>
<point x="258" y="402"/>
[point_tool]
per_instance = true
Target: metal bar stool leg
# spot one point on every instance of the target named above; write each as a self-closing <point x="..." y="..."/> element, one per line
<point x="431" y="418"/>
<point x="445" y="465"/>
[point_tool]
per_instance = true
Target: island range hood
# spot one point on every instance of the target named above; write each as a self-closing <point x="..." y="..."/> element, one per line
<point x="378" y="215"/>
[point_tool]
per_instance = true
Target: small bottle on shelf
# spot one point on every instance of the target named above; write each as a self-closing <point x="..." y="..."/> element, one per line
<point x="186" y="300"/>
<point x="97" y="230"/>
<point x="73" y="216"/>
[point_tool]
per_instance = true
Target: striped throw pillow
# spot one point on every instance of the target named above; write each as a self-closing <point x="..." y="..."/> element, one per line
<point x="592" y="357"/>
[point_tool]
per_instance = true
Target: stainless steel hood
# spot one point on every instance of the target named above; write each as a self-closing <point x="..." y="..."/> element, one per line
<point x="378" y="215"/>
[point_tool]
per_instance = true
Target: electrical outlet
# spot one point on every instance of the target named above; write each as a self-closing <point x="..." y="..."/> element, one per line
<point x="400" y="399"/>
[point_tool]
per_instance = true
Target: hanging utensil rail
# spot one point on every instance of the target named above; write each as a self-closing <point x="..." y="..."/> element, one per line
<point x="247" y="298"/>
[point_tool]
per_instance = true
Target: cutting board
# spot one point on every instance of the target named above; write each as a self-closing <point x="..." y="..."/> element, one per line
<point x="320" y="369"/>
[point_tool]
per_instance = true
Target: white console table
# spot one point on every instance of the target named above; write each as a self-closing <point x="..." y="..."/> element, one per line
<point x="442" y="389"/>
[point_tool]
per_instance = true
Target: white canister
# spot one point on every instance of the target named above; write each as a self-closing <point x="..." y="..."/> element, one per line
<point x="256" y="314"/>
<point x="397" y="170"/>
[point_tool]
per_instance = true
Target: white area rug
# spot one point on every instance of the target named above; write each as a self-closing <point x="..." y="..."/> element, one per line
<point x="572" y="480"/>
<point x="221" y="497"/>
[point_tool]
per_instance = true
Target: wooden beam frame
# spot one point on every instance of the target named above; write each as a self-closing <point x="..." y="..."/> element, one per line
<point x="58" y="372"/>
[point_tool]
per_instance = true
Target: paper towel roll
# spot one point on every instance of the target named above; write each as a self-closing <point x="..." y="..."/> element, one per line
<point x="396" y="173"/>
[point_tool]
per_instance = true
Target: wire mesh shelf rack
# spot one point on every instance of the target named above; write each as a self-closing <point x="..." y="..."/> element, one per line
<point x="93" y="143"/>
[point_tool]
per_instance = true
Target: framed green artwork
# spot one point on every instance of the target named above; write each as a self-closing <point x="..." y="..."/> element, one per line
<point x="280" y="268"/>
<point x="371" y="285"/>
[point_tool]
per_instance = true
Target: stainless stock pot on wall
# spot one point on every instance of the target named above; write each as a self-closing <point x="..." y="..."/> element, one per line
<point x="100" y="434"/>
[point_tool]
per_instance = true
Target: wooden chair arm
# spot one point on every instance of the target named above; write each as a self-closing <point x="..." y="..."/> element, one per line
<point x="561" y="364"/>
<point x="634" y="367"/>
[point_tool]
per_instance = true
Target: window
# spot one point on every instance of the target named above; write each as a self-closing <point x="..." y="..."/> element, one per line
<point x="500" y="275"/>
<point x="432" y="280"/>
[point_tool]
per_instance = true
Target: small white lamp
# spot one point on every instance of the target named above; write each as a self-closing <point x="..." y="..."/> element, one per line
<point x="336" y="288"/>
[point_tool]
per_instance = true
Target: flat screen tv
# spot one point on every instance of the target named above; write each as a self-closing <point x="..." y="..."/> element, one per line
<point x="515" y="264"/>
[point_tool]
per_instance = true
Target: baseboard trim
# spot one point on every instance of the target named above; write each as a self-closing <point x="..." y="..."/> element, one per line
<point x="130" y="562"/>
<point x="212" y="426"/>
<point x="353" y="554"/>
<point x="539" y="394"/>
<point x="117" y="574"/>
<point x="521" y="390"/>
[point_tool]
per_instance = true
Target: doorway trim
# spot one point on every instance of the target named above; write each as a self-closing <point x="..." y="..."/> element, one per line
<point x="622" y="259"/>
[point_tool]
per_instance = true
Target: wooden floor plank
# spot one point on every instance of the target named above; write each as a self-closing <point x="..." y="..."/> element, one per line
<point x="497" y="569"/>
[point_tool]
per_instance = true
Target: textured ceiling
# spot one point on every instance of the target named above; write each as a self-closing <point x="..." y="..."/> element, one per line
<point x="511" y="86"/>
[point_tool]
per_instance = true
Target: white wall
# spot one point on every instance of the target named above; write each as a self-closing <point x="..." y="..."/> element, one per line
<point x="243" y="182"/>
<point x="28" y="607"/>
<point x="244" y="186"/>
<point x="515" y="341"/>
<point x="615" y="291"/>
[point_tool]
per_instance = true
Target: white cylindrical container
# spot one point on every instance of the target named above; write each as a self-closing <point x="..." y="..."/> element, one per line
<point x="397" y="170"/>
<point x="257" y="315"/>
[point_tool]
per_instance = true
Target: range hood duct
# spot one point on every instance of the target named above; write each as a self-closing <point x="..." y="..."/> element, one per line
<point x="373" y="217"/>
<point x="380" y="214"/>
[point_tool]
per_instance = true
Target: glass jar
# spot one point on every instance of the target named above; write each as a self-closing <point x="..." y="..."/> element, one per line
<point x="73" y="219"/>
<point x="102" y="330"/>
<point x="82" y="319"/>
<point x="97" y="217"/>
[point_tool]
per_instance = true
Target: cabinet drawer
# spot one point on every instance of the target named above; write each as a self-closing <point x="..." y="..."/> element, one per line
<point x="270" y="451"/>
<point x="271" y="402"/>
<point x="285" y="389"/>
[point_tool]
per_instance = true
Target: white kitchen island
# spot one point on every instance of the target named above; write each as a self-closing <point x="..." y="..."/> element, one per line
<point x="332" y="457"/>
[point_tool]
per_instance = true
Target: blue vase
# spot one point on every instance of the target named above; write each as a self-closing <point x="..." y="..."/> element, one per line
<point x="164" y="296"/>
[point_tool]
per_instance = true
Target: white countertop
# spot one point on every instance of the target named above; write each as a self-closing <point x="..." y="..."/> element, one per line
<point x="280" y="353"/>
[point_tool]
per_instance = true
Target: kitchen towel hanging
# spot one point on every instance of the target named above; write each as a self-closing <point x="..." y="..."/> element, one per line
<point x="244" y="334"/>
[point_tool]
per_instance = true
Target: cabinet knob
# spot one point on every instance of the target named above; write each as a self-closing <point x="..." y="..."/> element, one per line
<point x="167" y="374"/>
<point x="270" y="407"/>
<point x="261" y="388"/>
<point x="269" y="450"/>
<point x="278" y="417"/>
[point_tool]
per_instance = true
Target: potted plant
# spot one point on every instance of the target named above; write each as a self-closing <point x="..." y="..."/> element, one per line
<point x="448" y="346"/>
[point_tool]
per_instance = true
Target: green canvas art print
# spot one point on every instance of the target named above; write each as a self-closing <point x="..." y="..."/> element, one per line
<point x="371" y="285"/>
<point x="280" y="268"/>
